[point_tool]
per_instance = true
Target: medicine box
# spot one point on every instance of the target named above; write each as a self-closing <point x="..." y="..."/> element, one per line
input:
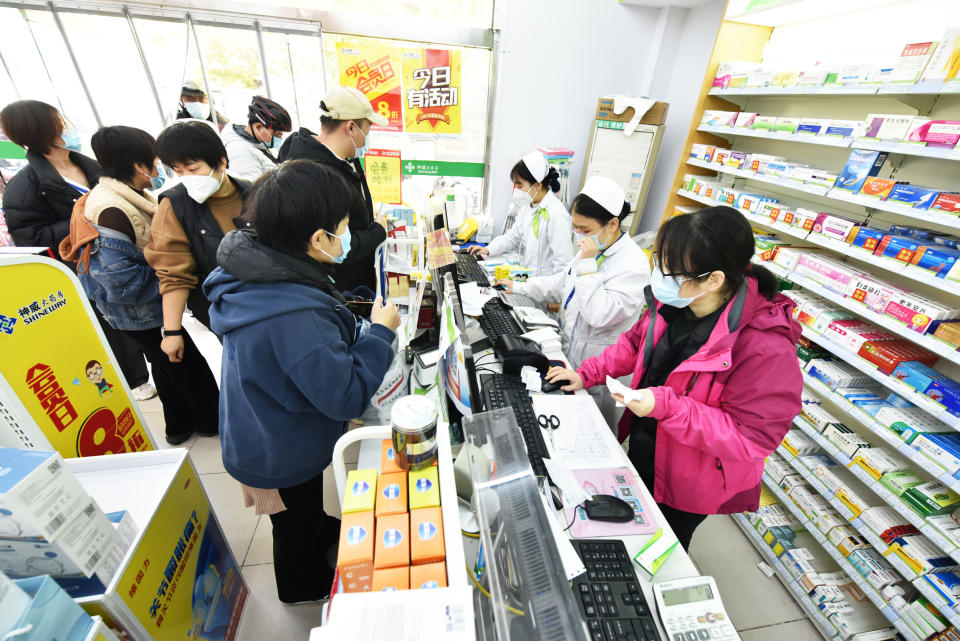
<point x="841" y="128"/>
<point x="917" y="375"/>
<point x="745" y="119"/>
<point x="947" y="584"/>
<point x="900" y="482"/>
<point x="940" y="133"/>
<point x="786" y="125"/>
<point x="835" y="227"/>
<point x="844" y="439"/>
<point x="887" y="126"/>
<point x="873" y="567"/>
<point x="860" y="165"/>
<point x="884" y="518"/>
<point x="431" y="575"/>
<point x="878" y="461"/>
<point x="355" y="553"/>
<point x="870" y="291"/>
<point x="818" y="416"/>
<point x="388" y="458"/>
<point x="888" y="354"/>
<point x="811" y="126"/>
<point x="423" y="488"/>
<point x="937" y="260"/>
<point x="879" y="188"/>
<point x="947" y="203"/>
<point x="917" y="311"/>
<point x="931" y="498"/>
<point x="916" y="197"/>
<point x="360" y="493"/>
<point x="941" y="448"/>
<point x="391" y="494"/>
<point x="797" y="443"/>
<point x="948" y="331"/>
<point x="901" y="248"/>
<point x="919" y="552"/>
<point x="868" y="238"/>
<point x="764" y="123"/>
<point x="392" y="549"/>
<point x="426" y="536"/>
<point x="835" y="375"/>
<point x="947" y="393"/>
<point x="389" y="579"/>
<point x="829" y="521"/>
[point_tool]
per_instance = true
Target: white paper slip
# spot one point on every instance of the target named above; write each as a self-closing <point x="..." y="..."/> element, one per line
<point x="531" y="378"/>
<point x="616" y="387"/>
<point x="583" y="441"/>
<point x="534" y="316"/>
<point x="543" y="335"/>
<point x="572" y="565"/>
<point x="472" y="299"/>
<point x="561" y="476"/>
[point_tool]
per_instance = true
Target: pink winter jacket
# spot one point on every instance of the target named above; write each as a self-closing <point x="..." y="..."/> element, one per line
<point x="723" y="410"/>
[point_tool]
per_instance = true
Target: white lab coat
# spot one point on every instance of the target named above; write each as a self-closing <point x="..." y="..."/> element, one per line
<point x="247" y="160"/>
<point x="598" y="304"/>
<point x="550" y="253"/>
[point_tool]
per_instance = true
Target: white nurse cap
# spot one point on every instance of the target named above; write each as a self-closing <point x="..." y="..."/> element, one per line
<point x="606" y="193"/>
<point x="536" y="164"/>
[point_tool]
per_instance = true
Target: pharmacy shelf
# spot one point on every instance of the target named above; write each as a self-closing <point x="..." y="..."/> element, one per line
<point x="825" y="627"/>
<point x="906" y="148"/>
<point x="918" y="89"/>
<point x="880" y="431"/>
<point x="887" y="610"/>
<point x="938" y="601"/>
<point x="940" y="540"/>
<point x="944" y="220"/>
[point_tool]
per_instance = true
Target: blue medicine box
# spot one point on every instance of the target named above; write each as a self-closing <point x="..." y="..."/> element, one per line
<point x="917" y="375"/>
<point x="916" y="197"/>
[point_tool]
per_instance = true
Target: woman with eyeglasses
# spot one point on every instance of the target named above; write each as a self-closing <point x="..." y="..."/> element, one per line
<point x="714" y="362"/>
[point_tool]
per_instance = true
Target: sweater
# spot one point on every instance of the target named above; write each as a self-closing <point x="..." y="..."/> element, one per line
<point x="111" y="195"/>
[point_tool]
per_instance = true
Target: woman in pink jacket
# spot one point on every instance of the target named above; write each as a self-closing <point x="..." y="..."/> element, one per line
<point x="714" y="357"/>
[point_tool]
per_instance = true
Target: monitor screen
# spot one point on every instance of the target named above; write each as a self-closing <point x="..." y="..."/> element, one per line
<point x="458" y="374"/>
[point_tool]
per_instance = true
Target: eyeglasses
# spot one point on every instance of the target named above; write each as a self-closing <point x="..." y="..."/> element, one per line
<point x="684" y="277"/>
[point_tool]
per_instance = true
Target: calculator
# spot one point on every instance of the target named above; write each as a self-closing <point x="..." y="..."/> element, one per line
<point x="691" y="610"/>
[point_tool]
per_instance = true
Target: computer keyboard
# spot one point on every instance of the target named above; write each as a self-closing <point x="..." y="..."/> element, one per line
<point x="609" y="594"/>
<point x="470" y="270"/>
<point x="497" y="320"/>
<point x="500" y="391"/>
<point x="517" y="300"/>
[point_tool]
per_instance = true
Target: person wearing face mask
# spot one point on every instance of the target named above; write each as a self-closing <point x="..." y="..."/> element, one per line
<point x="714" y="361"/>
<point x="39" y="199"/>
<point x="600" y="293"/>
<point x="190" y="222"/>
<point x="541" y="231"/>
<point x="194" y="105"/>
<point x="296" y="370"/>
<point x="109" y="229"/>
<point x="346" y="117"/>
<point x="251" y="149"/>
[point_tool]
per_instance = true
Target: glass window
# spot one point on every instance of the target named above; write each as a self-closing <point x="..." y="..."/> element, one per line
<point x="23" y="60"/>
<point x="300" y="88"/>
<point x="233" y="69"/>
<point x="165" y="46"/>
<point x="467" y="13"/>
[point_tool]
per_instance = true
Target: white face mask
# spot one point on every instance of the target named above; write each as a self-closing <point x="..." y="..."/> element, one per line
<point x="198" y="110"/>
<point x="202" y="187"/>
<point x="523" y="197"/>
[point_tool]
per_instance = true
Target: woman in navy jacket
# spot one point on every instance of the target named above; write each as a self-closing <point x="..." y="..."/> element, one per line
<point x="296" y="368"/>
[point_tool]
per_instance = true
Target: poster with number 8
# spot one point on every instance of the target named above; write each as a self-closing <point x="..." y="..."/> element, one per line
<point x="60" y="387"/>
<point x="375" y="71"/>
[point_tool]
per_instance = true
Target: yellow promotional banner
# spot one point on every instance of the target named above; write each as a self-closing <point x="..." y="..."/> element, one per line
<point x="57" y="367"/>
<point x="182" y="582"/>
<point x="375" y="71"/>
<point x="432" y="91"/>
<point x="382" y="167"/>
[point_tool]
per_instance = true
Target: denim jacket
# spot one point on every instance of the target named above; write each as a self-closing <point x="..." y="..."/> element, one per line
<point x="121" y="283"/>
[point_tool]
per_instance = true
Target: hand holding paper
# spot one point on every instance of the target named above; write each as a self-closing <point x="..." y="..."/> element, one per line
<point x="638" y="401"/>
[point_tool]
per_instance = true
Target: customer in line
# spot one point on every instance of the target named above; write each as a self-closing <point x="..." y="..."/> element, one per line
<point x="345" y="120"/>
<point x="39" y="199"/>
<point x="601" y="292"/>
<point x="191" y="220"/>
<point x="295" y="371"/>
<point x="541" y="231"/>
<point x="249" y="148"/>
<point x="194" y="105"/>
<point x="714" y="360"/>
<point x="108" y="231"/>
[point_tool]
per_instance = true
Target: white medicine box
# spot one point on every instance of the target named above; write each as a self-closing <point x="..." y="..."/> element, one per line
<point x="39" y="495"/>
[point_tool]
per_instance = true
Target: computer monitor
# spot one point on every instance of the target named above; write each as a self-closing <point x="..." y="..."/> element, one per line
<point x="459" y="375"/>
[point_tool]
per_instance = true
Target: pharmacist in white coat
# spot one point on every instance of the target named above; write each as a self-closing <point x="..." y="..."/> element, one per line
<point x="600" y="291"/>
<point x="541" y="232"/>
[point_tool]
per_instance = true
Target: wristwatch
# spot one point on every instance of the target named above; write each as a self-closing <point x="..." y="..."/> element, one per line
<point x="172" y="332"/>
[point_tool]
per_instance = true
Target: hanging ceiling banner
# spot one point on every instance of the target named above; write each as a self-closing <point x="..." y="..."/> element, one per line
<point x="375" y="71"/>
<point x="432" y="91"/>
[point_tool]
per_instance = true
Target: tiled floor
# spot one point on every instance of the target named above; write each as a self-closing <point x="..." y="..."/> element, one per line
<point x="761" y="607"/>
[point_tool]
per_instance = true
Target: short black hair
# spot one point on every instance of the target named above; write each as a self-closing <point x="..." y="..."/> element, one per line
<point x="584" y="205"/>
<point x="289" y="204"/>
<point x="188" y="141"/>
<point x="119" y="148"/>
<point x="551" y="181"/>
<point x="32" y="124"/>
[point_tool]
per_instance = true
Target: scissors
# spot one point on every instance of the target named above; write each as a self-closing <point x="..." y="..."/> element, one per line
<point x="548" y="422"/>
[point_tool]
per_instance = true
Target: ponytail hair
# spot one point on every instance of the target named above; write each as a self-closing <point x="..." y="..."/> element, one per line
<point x="713" y="239"/>
<point x="584" y="205"/>
<point x="551" y="181"/>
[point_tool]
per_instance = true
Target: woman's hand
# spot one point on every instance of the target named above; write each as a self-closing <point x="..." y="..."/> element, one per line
<point x="641" y="407"/>
<point x="172" y="346"/>
<point x="473" y="250"/>
<point x="565" y="374"/>
<point x="588" y="248"/>
<point x="386" y="315"/>
<point x="506" y="283"/>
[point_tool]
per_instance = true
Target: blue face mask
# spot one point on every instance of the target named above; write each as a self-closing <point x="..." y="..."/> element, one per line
<point x="71" y="140"/>
<point x="666" y="289"/>
<point x="344" y="246"/>
<point x="158" y="182"/>
<point x="360" y="152"/>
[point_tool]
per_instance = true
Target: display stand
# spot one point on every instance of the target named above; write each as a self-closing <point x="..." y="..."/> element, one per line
<point x="179" y="580"/>
<point x="60" y="386"/>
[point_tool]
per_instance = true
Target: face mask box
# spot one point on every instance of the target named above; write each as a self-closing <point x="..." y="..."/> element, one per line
<point x="392" y="549"/>
<point x="426" y="536"/>
<point x="860" y="165"/>
<point x="50" y="614"/>
<point x="391" y="494"/>
<point x="39" y="495"/>
<point x="361" y="491"/>
<point x="431" y="575"/>
<point x="355" y="554"/>
<point x="390" y="579"/>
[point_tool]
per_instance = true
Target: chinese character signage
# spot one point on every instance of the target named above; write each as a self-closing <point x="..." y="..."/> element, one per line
<point x="382" y="167"/>
<point x="56" y="366"/>
<point x="182" y="582"/>
<point x="375" y="71"/>
<point x="431" y="91"/>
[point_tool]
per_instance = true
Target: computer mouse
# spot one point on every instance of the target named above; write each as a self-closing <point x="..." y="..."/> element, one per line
<point x="605" y="507"/>
<point x="500" y="288"/>
<point x="552" y="386"/>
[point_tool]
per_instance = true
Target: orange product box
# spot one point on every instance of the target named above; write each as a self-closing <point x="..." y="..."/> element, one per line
<point x="355" y="556"/>
<point x="426" y="536"/>
<point x="432" y="575"/>
<point x="389" y="579"/>
<point x="391" y="494"/>
<point x="877" y="187"/>
<point x="388" y="458"/>
<point x="393" y="542"/>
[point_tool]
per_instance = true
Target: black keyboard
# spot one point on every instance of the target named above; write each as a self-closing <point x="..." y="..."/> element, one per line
<point x="470" y="270"/>
<point x="500" y="391"/>
<point x="497" y="320"/>
<point x="609" y="594"/>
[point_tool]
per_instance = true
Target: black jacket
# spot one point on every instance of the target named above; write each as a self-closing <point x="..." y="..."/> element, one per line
<point x="38" y="202"/>
<point x="366" y="235"/>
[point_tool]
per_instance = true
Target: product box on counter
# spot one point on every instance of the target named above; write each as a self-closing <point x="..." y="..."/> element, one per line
<point x="913" y="195"/>
<point x="861" y="165"/>
<point x="355" y="556"/>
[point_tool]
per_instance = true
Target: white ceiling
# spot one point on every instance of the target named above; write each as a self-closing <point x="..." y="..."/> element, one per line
<point x="669" y="3"/>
